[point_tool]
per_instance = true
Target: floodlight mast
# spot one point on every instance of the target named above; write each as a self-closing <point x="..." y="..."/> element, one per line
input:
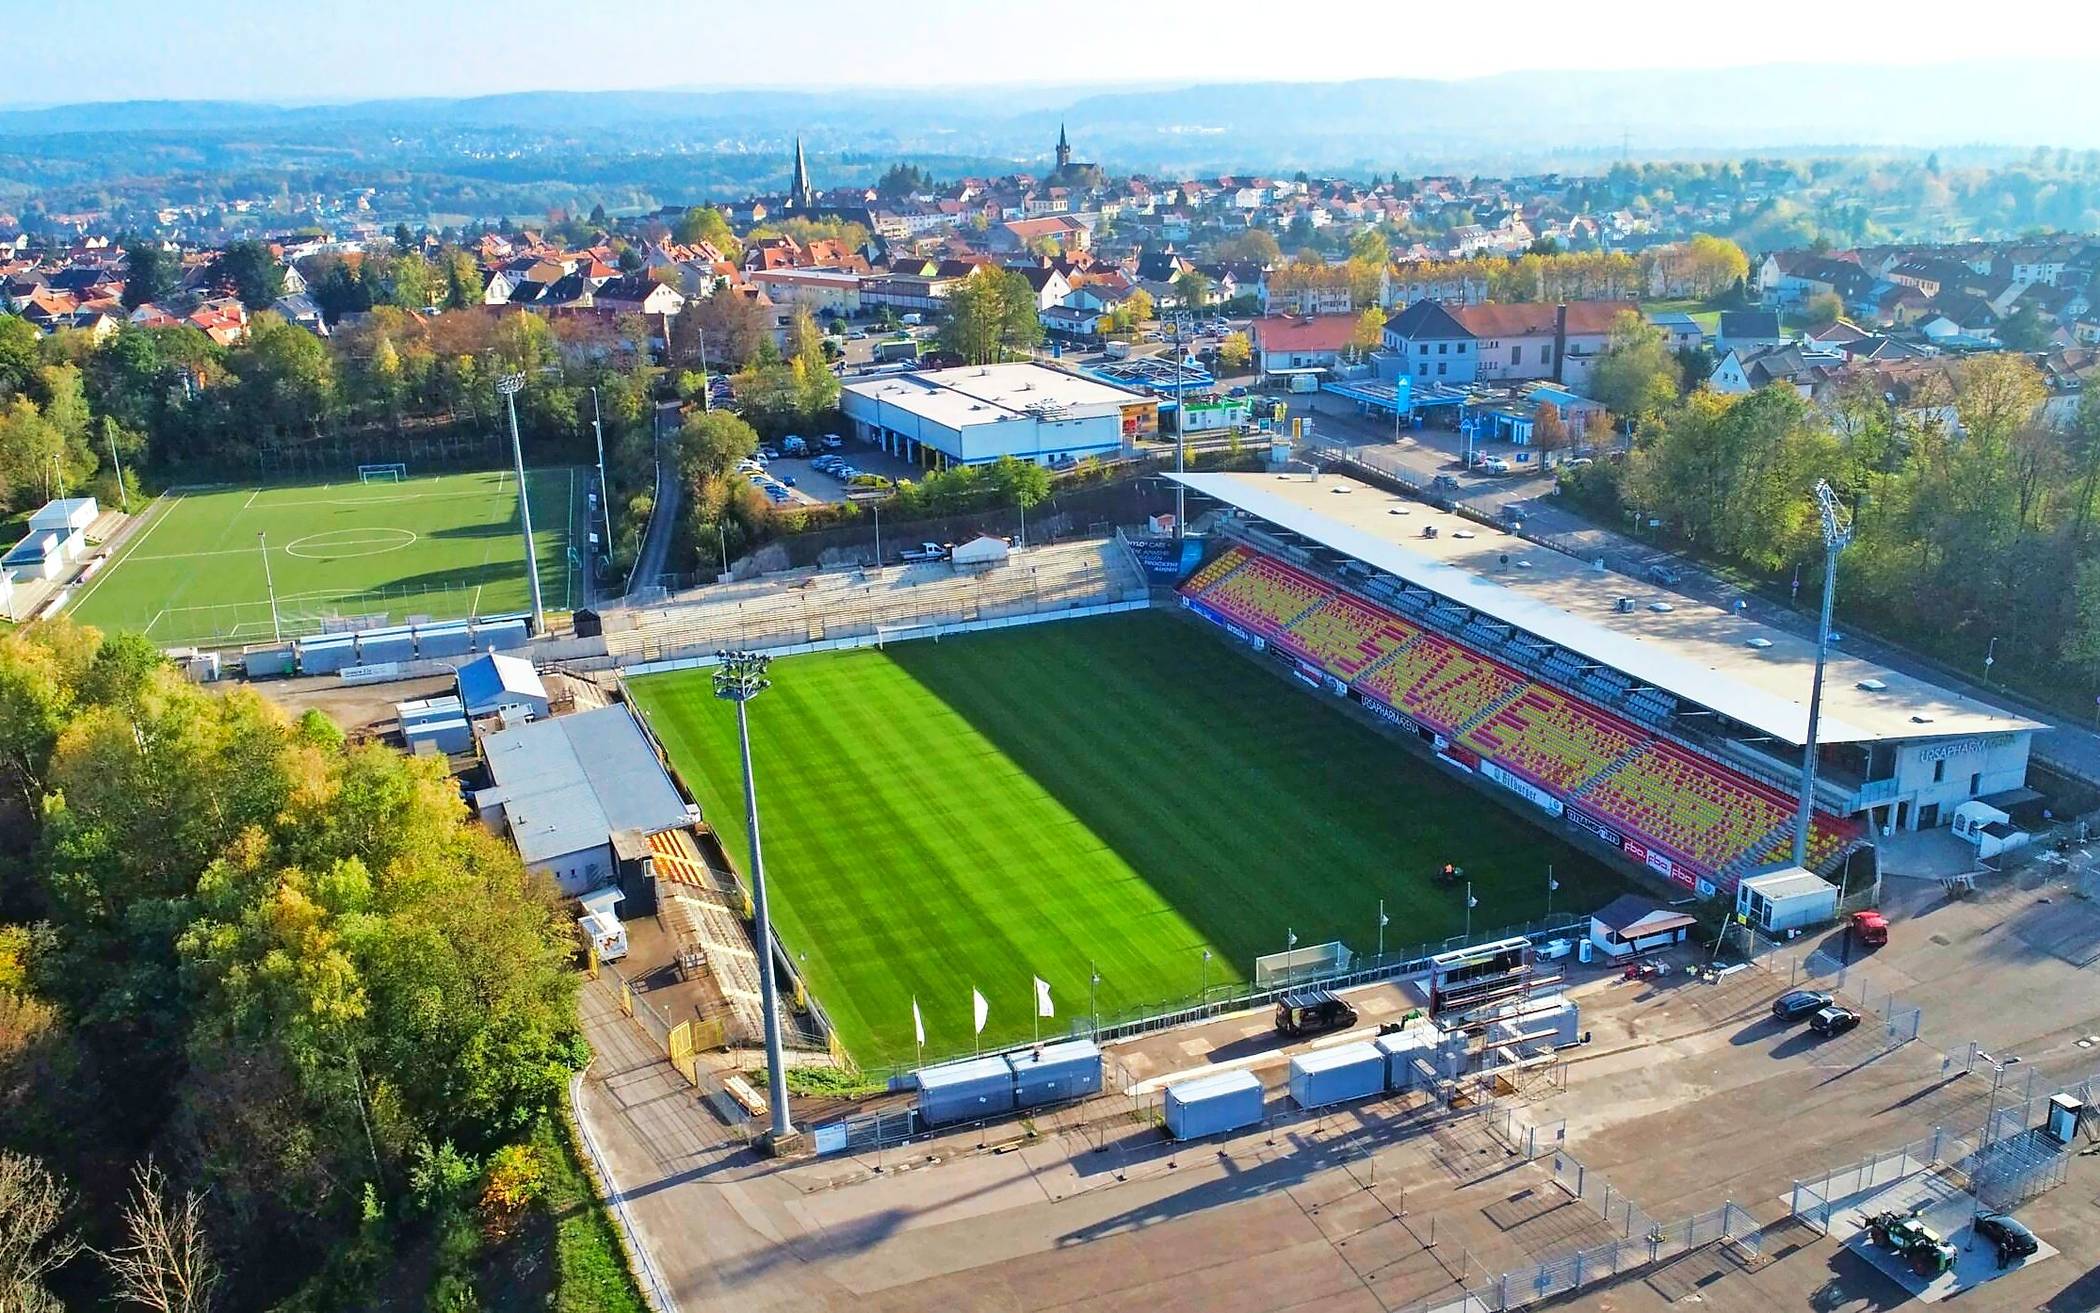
<point x="739" y="677"/>
<point x="1837" y="534"/>
<point x="507" y="387"/>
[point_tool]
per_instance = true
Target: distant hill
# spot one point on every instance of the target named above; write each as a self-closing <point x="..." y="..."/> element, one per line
<point x="1506" y="121"/>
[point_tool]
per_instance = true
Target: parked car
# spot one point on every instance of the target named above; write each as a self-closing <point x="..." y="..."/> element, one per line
<point x="1870" y="928"/>
<point x="1798" y="1003"/>
<point x="1496" y="465"/>
<point x="856" y="335"/>
<point x="769" y="453"/>
<point x="794" y="446"/>
<point x="1667" y="575"/>
<point x="787" y="480"/>
<point x="1833" y="1020"/>
<point x="923" y="552"/>
<point x="2008" y="1235"/>
<point x="1444" y="481"/>
<point x="832" y="442"/>
<point x="1311" y="1011"/>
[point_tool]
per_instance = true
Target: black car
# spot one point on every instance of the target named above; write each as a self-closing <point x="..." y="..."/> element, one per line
<point x="1798" y="1003"/>
<point x="1311" y="1011"/>
<point x="2008" y="1234"/>
<point x="1833" y="1020"/>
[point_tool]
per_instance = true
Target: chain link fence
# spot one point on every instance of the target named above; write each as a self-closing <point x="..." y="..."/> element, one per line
<point x="1901" y="1019"/>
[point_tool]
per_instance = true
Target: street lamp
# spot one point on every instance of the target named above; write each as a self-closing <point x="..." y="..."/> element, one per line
<point x="508" y="386"/>
<point x="1471" y="903"/>
<point x="1290" y="953"/>
<point x="739" y="677"/>
<point x="1203" y="979"/>
<point x="1180" y="437"/>
<point x="1990" y="658"/>
<point x="1093" y="995"/>
<point x="1383" y="920"/>
<point x="1552" y="887"/>
<point x="1990" y="1114"/>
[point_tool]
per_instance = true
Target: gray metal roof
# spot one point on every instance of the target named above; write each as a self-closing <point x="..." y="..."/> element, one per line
<point x="1751" y="672"/>
<point x="567" y="783"/>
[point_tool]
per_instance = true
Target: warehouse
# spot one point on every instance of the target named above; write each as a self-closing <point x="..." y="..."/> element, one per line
<point x="978" y="413"/>
<point x="563" y="787"/>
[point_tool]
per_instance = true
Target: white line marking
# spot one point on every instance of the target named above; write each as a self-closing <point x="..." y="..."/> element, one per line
<point x="129" y="549"/>
<point x="251" y="497"/>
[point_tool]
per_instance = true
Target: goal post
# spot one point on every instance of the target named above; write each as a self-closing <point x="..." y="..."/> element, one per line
<point x="389" y="472"/>
<point x="1312" y="963"/>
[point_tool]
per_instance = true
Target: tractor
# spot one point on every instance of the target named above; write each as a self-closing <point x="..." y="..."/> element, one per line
<point x="1907" y="1236"/>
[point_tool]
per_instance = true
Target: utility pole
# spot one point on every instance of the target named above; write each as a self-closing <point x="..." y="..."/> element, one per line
<point x="1836" y="534"/>
<point x="739" y="677"/>
<point x="123" y="493"/>
<point x="270" y="587"/>
<point x="507" y="386"/>
<point x="604" y="488"/>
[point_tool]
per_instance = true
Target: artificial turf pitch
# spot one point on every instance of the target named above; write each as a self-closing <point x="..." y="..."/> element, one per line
<point x="1112" y="795"/>
<point x="444" y="546"/>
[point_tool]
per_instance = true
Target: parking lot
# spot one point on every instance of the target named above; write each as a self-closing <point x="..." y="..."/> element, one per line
<point x="1688" y="1101"/>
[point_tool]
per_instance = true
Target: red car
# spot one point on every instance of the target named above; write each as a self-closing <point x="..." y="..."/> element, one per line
<point x="1872" y="928"/>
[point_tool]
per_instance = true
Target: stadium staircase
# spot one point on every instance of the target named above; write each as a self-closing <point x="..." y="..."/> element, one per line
<point x="1677" y="800"/>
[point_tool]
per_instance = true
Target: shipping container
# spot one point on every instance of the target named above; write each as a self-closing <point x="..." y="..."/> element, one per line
<point x="1346" y="1071"/>
<point x="264" y="662"/>
<point x="327" y="654"/>
<point x="965" y="1091"/>
<point x="1402" y="1050"/>
<point x="1210" y="1104"/>
<point x="382" y="645"/>
<point x="1052" y="1073"/>
<point x="499" y="635"/>
<point x="444" y="640"/>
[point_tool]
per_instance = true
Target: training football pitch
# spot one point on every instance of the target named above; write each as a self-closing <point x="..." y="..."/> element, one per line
<point x="443" y="546"/>
<point x="1113" y="795"/>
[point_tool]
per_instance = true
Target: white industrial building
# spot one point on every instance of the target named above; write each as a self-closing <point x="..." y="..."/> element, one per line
<point x="57" y="537"/>
<point x="564" y="787"/>
<point x="977" y="413"/>
<point x="492" y="684"/>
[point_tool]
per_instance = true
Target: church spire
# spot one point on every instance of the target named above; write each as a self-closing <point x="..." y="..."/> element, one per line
<point x="800" y="195"/>
<point x="1064" y="148"/>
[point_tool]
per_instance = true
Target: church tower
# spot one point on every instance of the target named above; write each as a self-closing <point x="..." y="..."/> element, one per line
<point x="1064" y="150"/>
<point x="801" y="198"/>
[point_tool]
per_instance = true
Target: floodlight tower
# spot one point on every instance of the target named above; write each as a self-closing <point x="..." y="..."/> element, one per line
<point x="740" y="677"/>
<point x="507" y="387"/>
<point x="1837" y="533"/>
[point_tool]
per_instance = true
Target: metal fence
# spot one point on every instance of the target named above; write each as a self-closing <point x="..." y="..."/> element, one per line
<point x="1553" y="1277"/>
<point x="680" y="1047"/>
<point x="1620" y="1213"/>
<point x="1814" y="1201"/>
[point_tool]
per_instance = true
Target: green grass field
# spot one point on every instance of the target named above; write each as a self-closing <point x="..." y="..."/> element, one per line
<point x="444" y="546"/>
<point x="1116" y="794"/>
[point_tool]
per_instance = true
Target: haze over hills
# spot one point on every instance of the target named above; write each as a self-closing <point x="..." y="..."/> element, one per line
<point x="1506" y="121"/>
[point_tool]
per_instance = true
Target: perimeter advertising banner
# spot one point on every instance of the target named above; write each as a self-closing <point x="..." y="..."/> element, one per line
<point x="1168" y="560"/>
<point x="1530" y="793"/>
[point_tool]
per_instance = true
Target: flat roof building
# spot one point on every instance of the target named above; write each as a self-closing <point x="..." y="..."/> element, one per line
<point x="975" y="414"/>
<point x="563" y="787"/>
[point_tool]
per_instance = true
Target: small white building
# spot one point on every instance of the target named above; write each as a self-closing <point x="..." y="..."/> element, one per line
<point x="57" y="537"/>
<point x="975" y="414"/>
<point x="980" y="553"/>
<point x="1785" y="901"/>
<point x="1989" y="829"/>
<point x="1631" y="924"/>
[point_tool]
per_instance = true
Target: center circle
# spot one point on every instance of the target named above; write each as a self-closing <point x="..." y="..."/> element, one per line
<point x="341" y="544"/>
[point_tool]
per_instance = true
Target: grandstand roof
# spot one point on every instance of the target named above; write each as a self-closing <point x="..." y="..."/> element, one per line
<point x="1698" y="652"/>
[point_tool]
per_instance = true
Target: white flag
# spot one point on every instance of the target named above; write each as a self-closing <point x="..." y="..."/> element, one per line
<point x="1042" y="998"/>
<point x="918" y="1023"/>
<point x="982" y="1008"/>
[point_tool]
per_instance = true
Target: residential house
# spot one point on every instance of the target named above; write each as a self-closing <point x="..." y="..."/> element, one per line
<point x="1431" y="342"/>
<point x="1746" y="369"/>
<point x="1300" y="342"/>
<point x="1748" y="330"/>
<point x="637" y="294"/>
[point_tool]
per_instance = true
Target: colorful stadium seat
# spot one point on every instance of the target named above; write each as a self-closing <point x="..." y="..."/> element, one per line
<point x="1701" y="812"/>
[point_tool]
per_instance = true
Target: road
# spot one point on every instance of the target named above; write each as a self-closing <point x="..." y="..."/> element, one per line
<point x="656" y="541"/>
<point x="1532" y="501"/>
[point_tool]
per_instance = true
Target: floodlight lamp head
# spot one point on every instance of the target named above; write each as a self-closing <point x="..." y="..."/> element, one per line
<point x="507" y="384"/>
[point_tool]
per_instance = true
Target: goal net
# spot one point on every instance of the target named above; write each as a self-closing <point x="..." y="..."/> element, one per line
<point x="1302" y="965"/>
<point x="393" y="473"/>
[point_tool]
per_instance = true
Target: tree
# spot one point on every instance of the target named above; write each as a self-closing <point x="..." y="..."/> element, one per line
<point x="1549" y="433"/>
<point x="706" y="224"/>
<point x="250" y="271"/>
<point x="1368" y="331"/>
<point x="20" y="354"/>
<point x="1822" y="310"/>
<point x="33" y="1240"/>
<point x="1254" y="246"/>
<point x="2024" y="330"/>
<point x="1715" y="263"/>
<point x="732" y="329"/>
<point x="1635" y="375"/>
<point x="166" y="1262"/>
<point x="1234" y="351"/>
<point x="150" y="273"/>
<point x="711" y="442"/>
<point x="991" y="314"/>
<point x="902" y="180"/>
<point x="1192" y="287"/>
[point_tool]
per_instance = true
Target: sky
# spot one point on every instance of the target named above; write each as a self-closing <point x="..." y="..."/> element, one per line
<point x="269" y="50"/>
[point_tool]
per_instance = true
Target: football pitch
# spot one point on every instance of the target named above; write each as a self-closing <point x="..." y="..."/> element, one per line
<point x="1113" y="796"/>
<point x="443" y="546"/>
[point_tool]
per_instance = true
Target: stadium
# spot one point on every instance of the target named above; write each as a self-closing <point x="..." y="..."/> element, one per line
<point x="1137" y="814"/>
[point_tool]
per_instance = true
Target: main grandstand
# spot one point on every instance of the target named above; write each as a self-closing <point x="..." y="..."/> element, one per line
<point x="1664" y="727"/>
